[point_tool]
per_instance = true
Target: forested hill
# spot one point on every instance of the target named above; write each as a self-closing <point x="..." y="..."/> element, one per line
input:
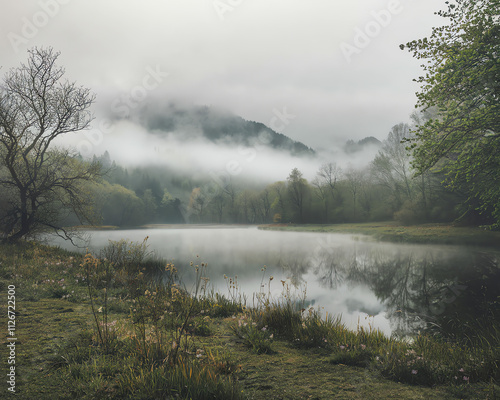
<point x="219" y="126"/>
<point x="352" y="147"/>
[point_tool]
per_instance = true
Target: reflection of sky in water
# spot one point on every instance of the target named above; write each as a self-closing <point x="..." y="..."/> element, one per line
<point x="360" y="279"/>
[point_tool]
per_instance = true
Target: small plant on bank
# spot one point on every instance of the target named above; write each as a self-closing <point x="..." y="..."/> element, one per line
<point x="357" y="356"/>
<point x="257" y="338"/>
<point x="99" y="276"/>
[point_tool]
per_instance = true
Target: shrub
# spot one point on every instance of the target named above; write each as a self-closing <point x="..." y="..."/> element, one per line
<point x="257" y="338"/>
<point x="410" y="213"/>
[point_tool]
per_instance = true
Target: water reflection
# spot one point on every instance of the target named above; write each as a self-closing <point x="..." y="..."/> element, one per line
<point x="405" y="288"/>
<point x="437" y="289"/>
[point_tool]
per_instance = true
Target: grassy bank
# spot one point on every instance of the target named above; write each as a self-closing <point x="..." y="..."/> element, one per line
<point x="394" y="232"/>
<point x="92" y="327"/>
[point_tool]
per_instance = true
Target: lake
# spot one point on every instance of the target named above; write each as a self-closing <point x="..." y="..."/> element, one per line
<point x="397" y="288"/>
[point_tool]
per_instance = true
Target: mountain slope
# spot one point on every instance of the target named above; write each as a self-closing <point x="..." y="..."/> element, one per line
<point x="217" y="126"/>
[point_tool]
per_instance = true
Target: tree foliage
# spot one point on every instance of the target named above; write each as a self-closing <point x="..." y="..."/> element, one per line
<point x="297" y="187"/>
<point x="40" y="183"/>
<point x="461" y="81"/>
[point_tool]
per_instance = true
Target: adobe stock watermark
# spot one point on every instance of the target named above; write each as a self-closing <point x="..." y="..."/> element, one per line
<point x="280" y="119"/>
<point x="122" y="107"/>
<point x="30" y="27"/>
<point x="222" y="7"/>
<point x="363" y="37"/>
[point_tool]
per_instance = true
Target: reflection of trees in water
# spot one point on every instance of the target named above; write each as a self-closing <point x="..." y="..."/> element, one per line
<point x="470" y="303"/>
<point x="451" y="291"/>
<point x="294" y="266"/>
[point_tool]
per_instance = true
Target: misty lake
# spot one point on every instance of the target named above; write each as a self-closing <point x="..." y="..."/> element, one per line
<point x="398" y="288"/>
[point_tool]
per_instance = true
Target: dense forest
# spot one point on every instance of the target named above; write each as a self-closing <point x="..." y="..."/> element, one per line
<point x="387" y="188"/>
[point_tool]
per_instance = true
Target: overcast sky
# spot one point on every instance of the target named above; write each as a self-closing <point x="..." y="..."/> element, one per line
<point x="334" y="67"/>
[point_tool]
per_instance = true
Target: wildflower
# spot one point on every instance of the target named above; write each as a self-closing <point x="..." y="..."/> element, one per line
<point x="264" y="328"/>
<point x="363" y="347"/>
<point x="414" y="372"/>
<point x="466" y="378"/>
<point x="272" y="336"/>
<point x="342" y="347"/>
<point x="99" y="309"/>
<point x="461" y="370"/>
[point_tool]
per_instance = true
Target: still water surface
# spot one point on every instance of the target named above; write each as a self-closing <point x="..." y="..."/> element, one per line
<point x="398" y="288"/>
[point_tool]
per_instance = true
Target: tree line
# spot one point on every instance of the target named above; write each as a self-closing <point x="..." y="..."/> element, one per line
<point x="446" y="167"/>
<point x="385" y="189"/>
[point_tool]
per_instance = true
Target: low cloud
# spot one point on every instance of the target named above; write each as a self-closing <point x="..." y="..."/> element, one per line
<point x="199" y="141"/>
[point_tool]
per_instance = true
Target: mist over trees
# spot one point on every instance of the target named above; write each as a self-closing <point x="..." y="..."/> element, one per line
<point x="387" y="188"/>
<point x="443" y="167"/>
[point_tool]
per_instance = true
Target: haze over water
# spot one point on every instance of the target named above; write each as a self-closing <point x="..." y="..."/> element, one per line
<point x="397" y="288"/>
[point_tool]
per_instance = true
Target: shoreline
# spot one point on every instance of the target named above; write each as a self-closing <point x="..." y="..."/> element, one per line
<point x="435" y="233"/>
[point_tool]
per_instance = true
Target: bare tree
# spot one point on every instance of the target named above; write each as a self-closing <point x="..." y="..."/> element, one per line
<point x="325" y="183"/>
<point x="322" y="193"/>
<point x="354" y="179"/>
<point x="391" y="166"/>
<point x="329" y="174"/>
<point x="43" y="184"/>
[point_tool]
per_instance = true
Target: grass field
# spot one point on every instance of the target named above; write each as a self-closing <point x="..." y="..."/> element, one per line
<point x="95" y="328"/>
<point x="394" y="232"/>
